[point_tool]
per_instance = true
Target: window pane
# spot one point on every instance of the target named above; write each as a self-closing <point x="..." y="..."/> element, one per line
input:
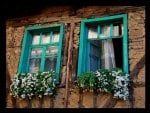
<point x="55" y="37"/>
<point x="94" y="50"/>
<point x="105" y="31"/>
<point x="45" y="38"/>
<point x="52" y="50"/>
<point x="36" y="52"/>
<point x="92" y="32"/>
<point x="117" y="29"/>
<point x="34" y="65"/>
<point x="36" y="39"/>
<point x="94" y="57"/>
<point x="94" y="63"/>
<point x="50" y="64"/>
<point x="107" y="54"/>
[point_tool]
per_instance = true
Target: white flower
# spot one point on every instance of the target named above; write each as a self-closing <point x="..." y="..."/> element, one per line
<point x="40" y="96"/>
<point x="46" y="93"/>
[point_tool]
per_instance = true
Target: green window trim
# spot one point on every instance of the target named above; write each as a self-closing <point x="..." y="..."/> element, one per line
<point x="82" y="62"/>
<point x="26" y="47"/>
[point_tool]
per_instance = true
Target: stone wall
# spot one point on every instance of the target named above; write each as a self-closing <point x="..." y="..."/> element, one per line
<point x="71" y="17"/>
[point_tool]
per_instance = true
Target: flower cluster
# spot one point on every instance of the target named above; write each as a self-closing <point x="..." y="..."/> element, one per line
<point x="113" y="81"/>
<point x="121" y="83"/>
<point x="104" y="80"/>
<point x="27" y="85"/>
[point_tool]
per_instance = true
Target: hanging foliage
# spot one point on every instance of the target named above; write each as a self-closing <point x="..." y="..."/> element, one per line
<point x="113" y="81"/>
<point x="27" y="85"/>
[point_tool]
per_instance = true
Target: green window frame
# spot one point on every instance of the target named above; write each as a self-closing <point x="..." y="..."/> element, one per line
<point x="28" y="45"/>
<point x="83" y="60"/>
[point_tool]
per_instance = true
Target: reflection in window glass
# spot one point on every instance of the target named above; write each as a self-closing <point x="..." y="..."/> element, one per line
<point x="55" y="37"/>
<point x="92" y="32"/>
<point x="105" y="31"/>
<point x="46" y="38"/>
<point x="34" y="65"/>
<point x="36" y="52"/>
<point x="50" y="64"/>
<point x="52" y="50"/>
<point x="36" y="39"/>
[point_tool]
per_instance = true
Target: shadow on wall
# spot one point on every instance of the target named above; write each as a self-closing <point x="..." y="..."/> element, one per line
<point x="140" y="64"/>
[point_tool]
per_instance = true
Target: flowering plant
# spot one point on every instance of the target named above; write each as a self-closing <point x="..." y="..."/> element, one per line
<point x="27" y="85"/>
<point x="113" y="81"/>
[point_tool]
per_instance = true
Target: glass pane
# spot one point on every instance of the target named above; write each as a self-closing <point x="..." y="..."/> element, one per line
<point x="36" y="52"/>
<point x="55" y="37"/>
<point x="45" y="38"/>
<point x="34" y="65"/>
<point x="105" y="31"/>
<point x="50" y="64"/>
<point x="108" y="54"/>
<point x="94" y="57"/>
<point x="36" y="39"/>
<point x="118" y="30"/>
<point x="92" y="32"/>
<point x="93" y="63"/>
<point x="52" y="50"/>
<point x="94" y="50"/>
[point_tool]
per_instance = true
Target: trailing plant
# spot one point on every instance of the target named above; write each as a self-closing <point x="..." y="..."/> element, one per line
<point x="113" y="81"/>
<point x="104" y="80"/>
<point x="121" y="83"/>
<point x="27" y="85"/>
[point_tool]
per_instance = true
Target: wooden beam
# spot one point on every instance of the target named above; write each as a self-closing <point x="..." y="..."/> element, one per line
<point x="69" y="62"/>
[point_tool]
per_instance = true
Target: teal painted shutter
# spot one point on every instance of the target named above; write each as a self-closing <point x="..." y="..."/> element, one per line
<point x="24" y="67"/>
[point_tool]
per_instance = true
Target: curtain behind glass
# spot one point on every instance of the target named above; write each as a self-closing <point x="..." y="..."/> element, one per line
<point x="107" y="54"/>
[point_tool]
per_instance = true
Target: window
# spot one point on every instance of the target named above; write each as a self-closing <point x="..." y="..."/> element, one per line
<point x="41" y="49"/>
<point x="103" y="44"/>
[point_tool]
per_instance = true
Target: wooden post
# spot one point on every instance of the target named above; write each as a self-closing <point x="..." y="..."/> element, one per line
<point x="69" y="62"/>
<point x="81" y="98"/>
<point x="51" y="101"/>
<point x="29" y="103"/>
<point x="94" y="99"/>
<point x="41" y="102"/>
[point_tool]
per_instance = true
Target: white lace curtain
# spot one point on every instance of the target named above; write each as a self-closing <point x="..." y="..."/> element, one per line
<point x="107" y="54"/>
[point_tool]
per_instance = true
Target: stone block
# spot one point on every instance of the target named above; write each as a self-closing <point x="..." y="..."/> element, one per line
<point x="121" y="104"/>
<point x="9" y="103"/>
<point x="141" y="76"/>
<point x="18" y="36"/>
<point x="46" y="102"/>
<point x="22" y="103"/>
<point x="73" y="101"/>
<point x="88" y="99"/>
<point x="59" y="99"/>
<point x="103" y="99"/>
<point x="12" y="60"/>
<point x="9" y="37"/>
<point x="139" y="96"/>
<point x="35" y="102"/>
